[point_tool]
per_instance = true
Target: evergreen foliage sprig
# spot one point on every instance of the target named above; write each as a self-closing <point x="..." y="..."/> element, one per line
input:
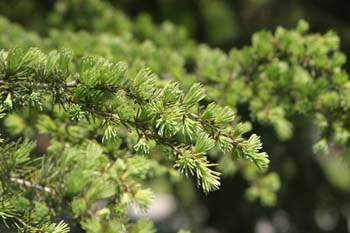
<point x="100" y="88"/>
<point x="101" y="115"/>
<point x="91" y="88"/>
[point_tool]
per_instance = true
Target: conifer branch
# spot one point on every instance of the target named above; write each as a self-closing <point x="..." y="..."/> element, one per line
<point x="282" y="74"/>
<point x="102" y="89"/>
<point x="29" y="184"/>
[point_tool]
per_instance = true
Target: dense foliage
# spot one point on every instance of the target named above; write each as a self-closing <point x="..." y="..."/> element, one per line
<point x="92" y="117"/>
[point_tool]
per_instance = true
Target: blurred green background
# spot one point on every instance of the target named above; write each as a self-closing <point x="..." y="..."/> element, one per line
<point x="315" y="191"/>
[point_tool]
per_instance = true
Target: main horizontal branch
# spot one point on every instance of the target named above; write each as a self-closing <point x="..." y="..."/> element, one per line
<point x="105" y="90"/>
